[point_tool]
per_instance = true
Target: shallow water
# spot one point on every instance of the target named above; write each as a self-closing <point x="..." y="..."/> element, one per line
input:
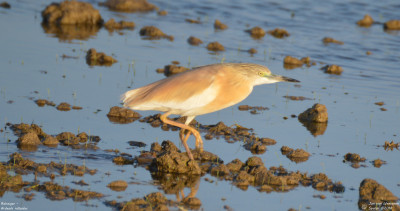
<point x="32" y="67"/>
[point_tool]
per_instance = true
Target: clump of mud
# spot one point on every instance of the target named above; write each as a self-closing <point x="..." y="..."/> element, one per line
<point x="215" y="46"/>
<point x="218" y="25"/>
<point x="290" y="62"/>
<point x="253" y="172"/>
<point x="168" y="159"/>
<point x="162" y="13"/>
<point x="297" y="155"/>
<point x="315" y="119"/>
<point x="355" y="159"/>
<point x="297" y="98"/>
<point x="391" y="145"/>
<point x="378" y="163"/>
<point x="64" y="106"/>
<point x="279" y="33"/>
<point x="374" y="196"/>
<point x="392" y="25"/>
<point x="193" y="21"/>
<point x="111" y="25"/>
<point x="5" y="5"/>
<point x="118" y="185"/>
<point x="328" y="40"/>
<point x="154" y="33"/>
<point x="99" y="58"/>
<point x="256" y="32"/>
<point x="122" y="115"/>
<point x="71" y="12"/>
<point x="31" y="136"/>
<point x="152" y="201"/>
<point x="367" y="21"/>
<point x="252" y="109"/>
<point x="25" y="166"/>
<point x="70" y="20"/>
<point x="172" y="69"/>
<point x="317" y="113"/>
<point x="333" y="69"/>
<point x="43" y="102"/>
<point x="252" y="51"/>
<point x="61" y="107"/>
<point x="129" y="5"/>
<point x="194" y="41"/>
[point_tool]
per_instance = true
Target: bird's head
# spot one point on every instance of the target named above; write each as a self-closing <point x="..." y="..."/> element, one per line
<point x="261" y="75"/>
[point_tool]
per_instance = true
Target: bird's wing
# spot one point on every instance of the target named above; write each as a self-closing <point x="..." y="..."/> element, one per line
<point x="189" y="90"/>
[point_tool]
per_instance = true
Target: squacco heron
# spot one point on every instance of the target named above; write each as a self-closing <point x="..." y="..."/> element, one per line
<point x="200" y="91"/>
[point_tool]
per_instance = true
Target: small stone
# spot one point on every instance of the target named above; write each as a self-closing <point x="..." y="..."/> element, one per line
<point x="215" y="46"/>
<point x="367" y="21"/>
<point x="194" y="41"/>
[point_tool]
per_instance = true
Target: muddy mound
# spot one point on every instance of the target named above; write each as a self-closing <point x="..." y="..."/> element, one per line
<point x="99" y="58"/>
<point x="129" y="5"/>
<point x="375" y="196"/>
<point x="122" y="115"/>
<point x="71" y="12"/>
<point x="318" y="113"/>
<point x="154" y="33"/>
<point x="70" y="20"/>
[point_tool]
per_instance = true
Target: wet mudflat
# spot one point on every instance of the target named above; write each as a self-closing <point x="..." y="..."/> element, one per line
<point x="329" y="142"/>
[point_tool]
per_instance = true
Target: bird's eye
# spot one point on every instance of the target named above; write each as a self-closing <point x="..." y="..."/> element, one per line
<point x="260" y="73"/>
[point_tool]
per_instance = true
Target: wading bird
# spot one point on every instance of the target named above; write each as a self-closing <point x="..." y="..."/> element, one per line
<point x="200" y="91"/>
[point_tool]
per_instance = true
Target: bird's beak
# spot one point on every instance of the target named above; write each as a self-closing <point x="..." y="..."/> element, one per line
<point x="281" y="78"/>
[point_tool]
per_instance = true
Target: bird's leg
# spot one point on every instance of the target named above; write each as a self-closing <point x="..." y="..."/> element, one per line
<point x="196" y="134"/>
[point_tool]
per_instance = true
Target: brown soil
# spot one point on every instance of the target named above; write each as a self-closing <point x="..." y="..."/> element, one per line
<point x="30" y="139"/>
<point x="192" y="21"/>
<point x="333" y="69"/>
<point x="253" y="109"/>
<point x="70" y="20"/>
<point x="30" y="134"/>
<point x="252" y="51"/>
<point x="69" y="32"/>
<point x="153" y="33"/>
<point x="122" y="115"/>
<point x="298" y="155"/>
<point x="256" y="32"/>
<point x="218" y="25"/>
<point x="318" y="113"/>
<point x="194" y="41"/>
<point x="111" y="25"/>
<point x="172" y="69"/>
<point x="71" y="13"/>
<point x="391" y="145"/>
<point x="378" y="163"/>
<point x="162" y="13"/>
<point x="292" y="63"/>
<point x="367" y="21"/>
<point x="297" y="98"/>
<point x="279" y="33"/>
<point x="152" y="201"/>
<point x="129" y="5"/>
<point x="170" y="160"/>
<point x="98" y="58"/>
<point x="392" y="25"/>
<point x="328" y="40"/>
<point x="64" y="106"/>
<point x="374" y="196"/>
<point x="354" y="158"/>
<point x="5" y="5"/>
<point x="118" y="185"/>
<point x="215" y="46"/>
<point x="43" y="102"/>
